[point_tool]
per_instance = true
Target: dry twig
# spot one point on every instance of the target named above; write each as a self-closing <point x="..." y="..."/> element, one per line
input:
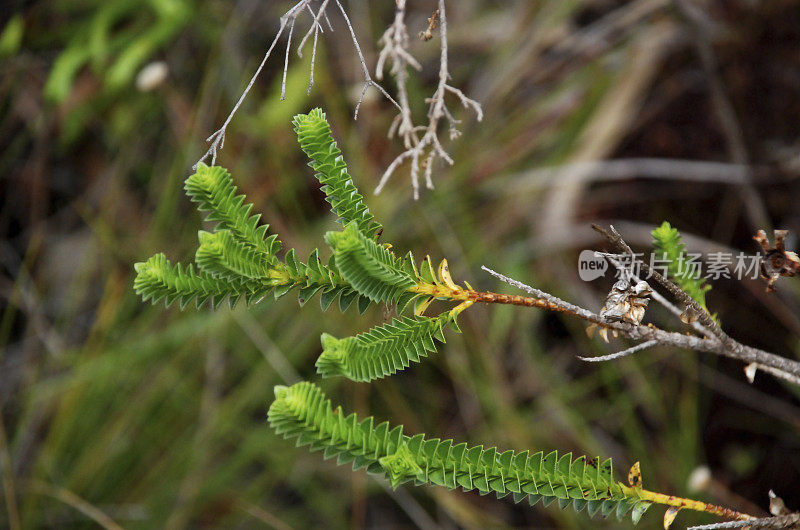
<point x="368" y="81"/>
<point x="783" y="522"/>
<point x="620" y="354"/>
<point x="217" y="138"/>
<point x="422" y="142"/>
<point x="716" y="340"/>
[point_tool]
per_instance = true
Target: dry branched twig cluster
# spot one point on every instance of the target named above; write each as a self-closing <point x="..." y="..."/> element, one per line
<point x="289" y="19"/>
<point x="421" y="142"/>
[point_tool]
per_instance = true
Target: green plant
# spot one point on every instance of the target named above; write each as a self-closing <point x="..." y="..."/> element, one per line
<point x="302" y="411"/>
<point x="238" y="260"/>
<point x="671" y="250"/>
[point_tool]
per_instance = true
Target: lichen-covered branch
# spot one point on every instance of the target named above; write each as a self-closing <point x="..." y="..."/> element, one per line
<point x="725" y="345"/>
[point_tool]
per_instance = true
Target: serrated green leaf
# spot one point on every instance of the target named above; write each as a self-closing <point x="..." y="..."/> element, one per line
<point x="370" y="268"/>
<point x="157" y="279"/>
<point x="302" y="410"/>
<point x="316" y="140"/>
<point x="381" y="351"/>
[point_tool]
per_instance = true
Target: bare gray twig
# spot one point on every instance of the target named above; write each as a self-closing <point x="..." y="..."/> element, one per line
<point x="217" y="138"/>
<point x="780" y="374"/>
<point x="791" y="520"/>
<point x="368" y="81"/>
<point x="424" y="150"/>
<point x="286" y="59"/>
<point x="620" y="354"/>
<point x="316" y="27"/>
<point x="719" y="343"/>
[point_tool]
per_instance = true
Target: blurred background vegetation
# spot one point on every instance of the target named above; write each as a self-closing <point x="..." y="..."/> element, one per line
<point x="117" y="413"/>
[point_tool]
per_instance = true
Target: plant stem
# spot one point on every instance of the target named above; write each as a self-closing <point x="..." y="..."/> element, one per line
<point x="487" y="297"/>
<point x="689" y="504"/>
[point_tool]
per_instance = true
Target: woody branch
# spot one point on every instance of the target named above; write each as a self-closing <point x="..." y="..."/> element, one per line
<point x="714" y="339"/>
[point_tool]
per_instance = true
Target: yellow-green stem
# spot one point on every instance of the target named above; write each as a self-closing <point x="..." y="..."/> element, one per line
<point x="686" y="504"/>
<point x="469" y="295"/>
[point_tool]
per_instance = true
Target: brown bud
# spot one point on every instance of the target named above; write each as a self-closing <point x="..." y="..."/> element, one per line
<point x="777" y="261"/>
<point x="627" y="302"/>
<point x="776" y="505"/>
<point x="689" y="315"/>
<point x="433" y="21"/>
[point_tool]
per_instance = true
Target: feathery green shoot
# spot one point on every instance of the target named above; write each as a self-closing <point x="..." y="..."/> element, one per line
<point x="383" y="350"/>
<point x="213" y="190"/>
<point x="671" y="249"/>
<point x="372" y="269"/>
<point x="225" y="257"/>
<point x="157" y="279"/>
<point x="316" y="140"/>
<point x="302" y="411"/>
